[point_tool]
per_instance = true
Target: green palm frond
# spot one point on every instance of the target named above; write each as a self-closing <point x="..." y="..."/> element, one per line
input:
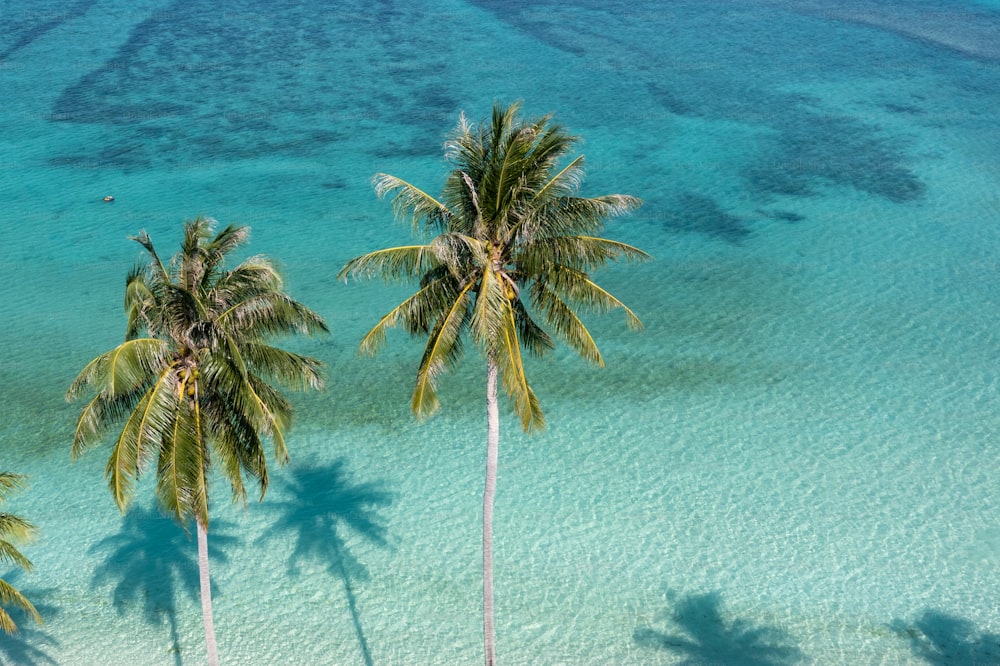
<point x="14" y="529"/>
<point x="417" y="313"/>
<point x="391" y="264"/>
<point x="489" y="313"/>
<point x="181" y="469"/>
<point x="293" y="371"/>
<point x="458" y="252"/>
<point x="140" y="437"/>
<point x="442" y="351"/>
<point x="570" y="216"/>
<point x="576" y="287"/>
<point x="255" y="276"/>
<point x="506" y="352"/>
<point x="10" y="484"/>
<point x="9" y="596"/>
<point x="533" y="337"/>
<point x="97" y="417"/>
<point x="224" y="242"/>
<point x="124" y="369"/>
<point x="424" y="211"/>
<point x="157" y="265"/>
<point x="269" y="314"/>
<point x="584" y="253"/>
<point x="563" y="183"/>
<point x="565" y="323"/>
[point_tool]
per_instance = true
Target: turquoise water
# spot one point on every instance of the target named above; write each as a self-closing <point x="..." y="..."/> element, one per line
<point x="795" y="462"/>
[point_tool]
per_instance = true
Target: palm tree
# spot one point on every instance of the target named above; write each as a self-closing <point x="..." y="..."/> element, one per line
<point x="511" y="242"/>
<point x="13" y="529"/>
<point x="193" y="379"/>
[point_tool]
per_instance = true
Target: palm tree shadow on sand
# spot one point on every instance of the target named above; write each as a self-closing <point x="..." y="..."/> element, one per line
<point x="152" y="561"/>
<point x="939" y="639"/>
<point x="706" y="637"/>
<point x="27" y="646"/>
<point x="323" y="505"/>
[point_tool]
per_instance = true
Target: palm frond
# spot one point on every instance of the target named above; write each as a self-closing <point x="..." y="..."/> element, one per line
<point x="391" y="264"/>
<point x="254" y="276"/>
<point x="269" y="314"/>
<point x="13" y="528"/>
<point x="584" y="253"/>
<point x="564" y="183"/>
<point x="141" y="436"/>
<point x="577" y="287"/>
<point x="567" y="215"/>
<point x="423" y="210"/>
<point x="182" y="486"/>
<point x="9" y="596"/>
<point x="506" y="352"/>
<point x="144" y="240"/>
<point x="291" y="370"/>
<point x="11" y="483"/>
<point x="533" y="337"/>
<point x="224" y="242"/>
<point x="489" y="312"/>
<point x="97" y="416"/>
<point x="565" y="323"/>
<point x="442" y="350"/>
<point x="417" y="312"/>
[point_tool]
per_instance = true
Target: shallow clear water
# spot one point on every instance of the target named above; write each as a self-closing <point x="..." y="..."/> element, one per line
<point x="794" y="462"/>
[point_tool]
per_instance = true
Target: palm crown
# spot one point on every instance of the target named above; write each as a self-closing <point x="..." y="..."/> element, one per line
<point x="193" y="379"/>
<point x="511" y="232"/>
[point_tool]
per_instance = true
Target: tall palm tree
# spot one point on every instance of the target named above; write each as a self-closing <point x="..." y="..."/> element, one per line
<point x="193" y="379"/>
<point x="511" y="241"/>
<point x="13" y="529"/>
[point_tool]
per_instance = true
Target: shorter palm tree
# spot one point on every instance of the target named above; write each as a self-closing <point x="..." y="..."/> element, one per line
<point x="13" y="529"/>
<point x="193" y="382"/>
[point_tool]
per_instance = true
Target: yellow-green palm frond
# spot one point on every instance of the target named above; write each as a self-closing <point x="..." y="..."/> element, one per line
<point x="293" y="371"/>
<point x="257" y="275"/>
<point x="506" y="353"/>
<point x="565" y="323"/>
<point x="10" y="484"/>
<point x="122" y="370"/>
<point x="251" y="406"/>
<point x="417" y="313"/>
<point x="584" y="253"/>
<point x="141" y="436"/>
<point x="391" y="264"/>
<point x="423" y="210"/>
<point x="98" y="415"/>
<point x="490" y="310"/>
<point x="14" y="529"/>
<point x="268" y="314"/>
<point x="157" y="266"/>
<point x="460" y="253"/>
<point x="214" y="253"/>
<point x="577" y="287"/>
<point x="533" y="337"/>
<point x="10" y="597"/>
<point x="564" y="183"/>
<point x="569" y="216"/>
<point x="181" y="483"/>
<point x="441" y="352"/>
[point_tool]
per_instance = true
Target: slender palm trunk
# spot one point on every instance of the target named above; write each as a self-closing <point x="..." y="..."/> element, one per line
<point x="206" y="596"/>
<point x="492" y="448"/>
